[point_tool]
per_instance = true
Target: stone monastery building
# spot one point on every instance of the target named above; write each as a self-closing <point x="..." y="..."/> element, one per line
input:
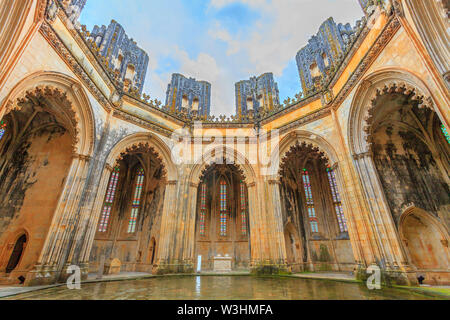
<point x="353" y="172"/>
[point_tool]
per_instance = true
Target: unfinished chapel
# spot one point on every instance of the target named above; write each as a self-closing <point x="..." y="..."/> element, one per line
<point x="351" y="173"/>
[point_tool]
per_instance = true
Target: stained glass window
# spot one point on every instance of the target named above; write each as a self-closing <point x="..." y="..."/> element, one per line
<point x="243" y="209"/>
<point x="203" y="209"/>
<point x="310" y="202"/>
<point x="337" y="203"/>
<point x="223" y="208"/>
<point x="446" y="134"/>
<point x="109" y="200"/>
<point x="2" y="129"/>
<point x="136" y="201"/>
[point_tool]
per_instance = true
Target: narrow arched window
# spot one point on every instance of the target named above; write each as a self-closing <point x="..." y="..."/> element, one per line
<point x="446" y="134"/>
<point x="2" y="129"/>
<point x="136" y="204"/>
<point x="223" y="208"/>
<point x="109" y="200"/>
<point x="243" y="209"/>
<point x="203" y="209"/>
<point x="310" y="202"/>
<point x="337" y="202"/>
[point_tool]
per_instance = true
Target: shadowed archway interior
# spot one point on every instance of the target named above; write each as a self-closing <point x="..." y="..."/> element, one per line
<point x="316" y="232"/>
<point x="130" y="220"/>
<point x="222" y="223"/>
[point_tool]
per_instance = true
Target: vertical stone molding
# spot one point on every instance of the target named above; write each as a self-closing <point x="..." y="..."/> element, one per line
<point x="391" y="257"/>
<point x="95" y="215"/>
<point x="168" y="230"/>
<point x="63" y="225"/>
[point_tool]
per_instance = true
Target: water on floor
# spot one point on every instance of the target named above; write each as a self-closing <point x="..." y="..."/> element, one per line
<point x="221" y="288"/>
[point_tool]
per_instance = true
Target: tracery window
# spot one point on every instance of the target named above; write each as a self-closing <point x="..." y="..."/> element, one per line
<point x="310" y="202"/>
<point x="2" y="129"/>
<point x="203" y="209"/>
<point x="243" y="209"/>
<point x="136" y="201"/>
<point x="223" y="208"/>
<point x="337" y="202"/>
<point x="109" y="200"/>
<point x="444" y="131"/>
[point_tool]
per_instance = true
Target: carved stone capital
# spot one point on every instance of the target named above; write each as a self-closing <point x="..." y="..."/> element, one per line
<point x="362" y="155"/>
<point x="193" y="185"/>
<point x="81" y="157"/>
<point x="398" y="8"/>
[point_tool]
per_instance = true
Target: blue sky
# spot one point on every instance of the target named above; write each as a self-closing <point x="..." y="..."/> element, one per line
<point x="220" y="41"/>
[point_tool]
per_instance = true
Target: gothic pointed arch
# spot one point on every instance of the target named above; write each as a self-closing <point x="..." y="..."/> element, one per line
<point x="312" y="206"/>
<point x="401" y="153"/>
<point x="425" y="239"/>
<point x="314" y="140"/>
<point x="222" y="155"/>
<point x="375" y="85"/>
<point x="57" y="93"/>
<point x="151" y="141"/>
<point x="131" y="203"/>
<point x="222" y="216"/>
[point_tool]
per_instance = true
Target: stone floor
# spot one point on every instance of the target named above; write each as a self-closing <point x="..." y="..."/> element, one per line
<point x="12" y="291"/>
<point x="8" y="291"/>
<point x="93" y="277"/>
<point x="345" y="276"/>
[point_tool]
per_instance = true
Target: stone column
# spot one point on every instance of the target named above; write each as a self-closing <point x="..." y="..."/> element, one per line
<point x="271" y="258"/>
<point x="95" y="216"/>
<point x="275" y="220"/>
<point x="389" y="254"/>
<point x="255" y="226"/>
<point x="169" y="230"/>
<point x="188" y="248"/>
<point x="64" y="222"/>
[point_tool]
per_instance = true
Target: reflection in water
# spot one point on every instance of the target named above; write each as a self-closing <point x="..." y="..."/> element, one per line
<point x="198" y="286"/>
<point x="220" y="288"/>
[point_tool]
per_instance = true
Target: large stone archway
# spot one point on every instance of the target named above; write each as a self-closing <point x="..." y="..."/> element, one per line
<point x="49" y="117"/>
<point x="222" y="216"/>
<point x="118" y="157"/>
<point x="306" y="152"/>
<point x="390" y="107"/>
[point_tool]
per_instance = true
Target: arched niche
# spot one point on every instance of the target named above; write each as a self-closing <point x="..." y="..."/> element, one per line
<point x="310" y="194"/>
<point x="400" y="154"/>
<point x="426" y="241"/>
<point x="136" y="175"/>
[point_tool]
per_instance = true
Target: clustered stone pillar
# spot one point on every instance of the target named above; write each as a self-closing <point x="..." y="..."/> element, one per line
<point x="50" y="264"/>
<point x="168" y="230"/>
<point x="255" y="226"/>
<point x="189" y="240"/>
<point x="270" y="254"/>
<point x="389" y="255"/>
<point x="94" y="217"/>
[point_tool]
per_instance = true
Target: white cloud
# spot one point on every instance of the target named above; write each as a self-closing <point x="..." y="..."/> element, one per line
<point x="267" y="45"/>
<point x="285" y="26"/>
<point x="223" y="3"/>
<point x="222" y="34"/>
